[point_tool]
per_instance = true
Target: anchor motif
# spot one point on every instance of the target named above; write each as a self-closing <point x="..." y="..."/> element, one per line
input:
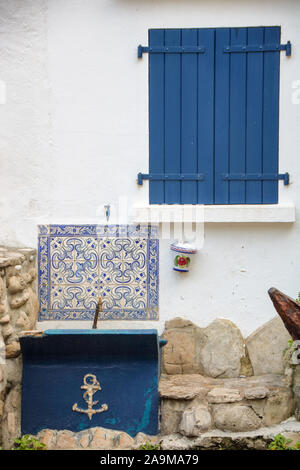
<point x="91" y="385"/>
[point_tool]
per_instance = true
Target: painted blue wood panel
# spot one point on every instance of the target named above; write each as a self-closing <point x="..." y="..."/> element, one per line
<point x="237" y="116"/>
<point x="254" y="116"/>
<point x="222" y="113"/>
<point x="189" y="111"/>
<point x="270" y="115"/>
<point x="172" y="116"/>
<point x="156" y="116"/>
<point x="220" y="116"/>
<point x="206" y="115"/>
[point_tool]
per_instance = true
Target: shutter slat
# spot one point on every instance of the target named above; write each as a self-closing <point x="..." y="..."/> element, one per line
<point x="237" y="120"/>
<point x="189" y="117"/>
<point x="206" y="116"/>
<point x="156" y="117"/>
<point x="172" y="115"/>
<point x="254" y="117"/>
<point x="221" y="116"/>
<point x="270" y="115"/>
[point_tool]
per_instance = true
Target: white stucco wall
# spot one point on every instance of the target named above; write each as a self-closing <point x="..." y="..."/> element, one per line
<point x="74" y="135"/>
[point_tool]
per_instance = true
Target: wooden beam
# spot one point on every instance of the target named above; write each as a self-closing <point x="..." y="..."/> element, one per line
<point x="289" y="311"/>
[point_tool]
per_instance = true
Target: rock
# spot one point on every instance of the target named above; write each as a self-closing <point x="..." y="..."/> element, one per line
<point x="31" y="309"/>
<point x="33" y="273"/>
<point x="19" y="300"/>
<point x="2" y="309"/>
<point x="279" y="407"/>
<point x="266" y="346"/>
<point x="223" y="395"/>
<point x="221" y="349"/>
<point x="66" y="441"/>
<point x="246" y="366"/>
<point x="176" y="442"/>
<point x="31" y="333"/>
<point x="48" y="437"/>
<point x="27" y="278"/>
<point x="12" y="350"/>
<point x="123" y="441"/>
<point x="11" y="421"/>
<point x="16" y="284"/>
<point x="2" y="288"/>
<point x="296" y="390"/>
<point x="180" y="353"/>
<point x="177" y="392"/>
<point x="142" y="438"/>
<point x="14" y="371"/>
<point x="171" y="415"/>
<point x="11" y="258"/>
<point x="23" y="321"/>
<point x="235" y="418"/>
<point x="256" y="393"/>
<point x="178" y="323"/>
<point x="84" y="441"/>
<point x="173" y="369"/>
<point x="7" y="330"/>
<point x="102" y="439"/>
<point x="194" y="421"/>
<point x="4" y="320"/>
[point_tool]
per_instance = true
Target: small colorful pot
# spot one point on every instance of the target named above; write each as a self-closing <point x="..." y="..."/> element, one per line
<point x="182" y="258"/>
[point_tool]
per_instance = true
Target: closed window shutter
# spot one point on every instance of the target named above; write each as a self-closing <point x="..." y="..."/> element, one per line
<point x="213" y="115"/>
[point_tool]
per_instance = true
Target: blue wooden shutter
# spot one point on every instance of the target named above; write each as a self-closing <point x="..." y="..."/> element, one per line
<point x="213" y="115"/>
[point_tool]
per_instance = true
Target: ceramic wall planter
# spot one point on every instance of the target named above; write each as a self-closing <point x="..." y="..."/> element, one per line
<point x="182" y="252"/>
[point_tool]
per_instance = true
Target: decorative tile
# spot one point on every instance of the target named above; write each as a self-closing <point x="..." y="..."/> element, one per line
<point x="79" y="263"/>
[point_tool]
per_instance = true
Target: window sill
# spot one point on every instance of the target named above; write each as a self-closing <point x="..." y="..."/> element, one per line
<point x="266" y="213"/>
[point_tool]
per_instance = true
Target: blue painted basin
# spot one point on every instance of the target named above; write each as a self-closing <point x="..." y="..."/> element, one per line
<point x="118" y="370"/>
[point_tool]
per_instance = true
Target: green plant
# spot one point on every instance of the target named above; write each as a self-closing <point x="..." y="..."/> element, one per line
<point x="291" y="348"/>
<point x="282" y="443"/>
<point x="28" y="442"/>
<point x="149" y="446"/>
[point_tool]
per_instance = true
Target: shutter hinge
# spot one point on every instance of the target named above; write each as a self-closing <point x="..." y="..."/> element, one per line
<point x="169" y="177"/>
<point x="169" y="50"/>
<point x="261" y="48"/>
<point x="258" y="177"/>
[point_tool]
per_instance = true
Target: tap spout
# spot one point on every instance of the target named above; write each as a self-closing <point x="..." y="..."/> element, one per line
<point x="98" y="310"/>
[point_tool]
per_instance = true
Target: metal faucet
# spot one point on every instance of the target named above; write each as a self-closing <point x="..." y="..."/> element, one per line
<point x="98" y="310"/>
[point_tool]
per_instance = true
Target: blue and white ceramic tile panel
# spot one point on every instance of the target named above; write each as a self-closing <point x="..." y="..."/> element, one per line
<point x="79" y="263"/>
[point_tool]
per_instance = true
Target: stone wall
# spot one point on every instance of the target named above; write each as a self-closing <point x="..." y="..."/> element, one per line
<point x="18" y="313"/>
<point x="214" y="380"/>
<point x="220" y="351"/>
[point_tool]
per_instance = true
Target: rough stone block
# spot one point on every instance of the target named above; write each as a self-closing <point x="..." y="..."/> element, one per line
<point x="221" y="349"/>
<point x="66" y="441"/>
<point x="279" y="407"/>
<point x="12" y="350"/>
<point x="195" y="421"/>
<point x="265" y="347"/>
<point x="224" y="395"/>
<point x="235" y="418"/>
